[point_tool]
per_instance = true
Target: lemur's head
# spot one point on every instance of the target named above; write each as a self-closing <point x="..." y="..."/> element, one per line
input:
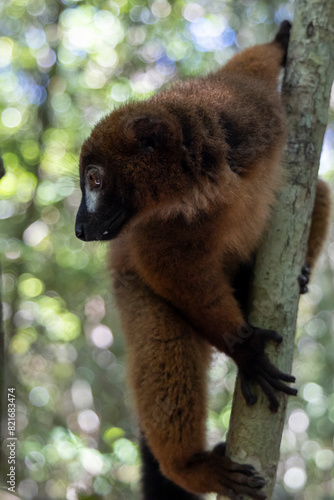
<point x="139" y="160"/>
<point x="128" y="165"/>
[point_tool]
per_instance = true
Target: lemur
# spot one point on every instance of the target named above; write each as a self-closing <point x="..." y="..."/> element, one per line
<point x="183" y="184"/>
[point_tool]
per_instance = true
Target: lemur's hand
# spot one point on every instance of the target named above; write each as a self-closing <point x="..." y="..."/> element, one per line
<point x="255" y="367"/>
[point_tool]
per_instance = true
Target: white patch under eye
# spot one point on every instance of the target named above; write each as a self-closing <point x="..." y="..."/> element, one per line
<point x="92" y="198"/>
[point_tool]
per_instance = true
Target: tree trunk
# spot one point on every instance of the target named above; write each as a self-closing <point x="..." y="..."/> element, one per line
<point x="255" y="433"/>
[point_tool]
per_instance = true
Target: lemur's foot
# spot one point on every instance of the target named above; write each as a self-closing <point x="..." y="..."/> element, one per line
<point x="213" y="471"/>
<point x="304" y="278"/>
<point x="255" y="367"/>
<point x="283" y="36"/>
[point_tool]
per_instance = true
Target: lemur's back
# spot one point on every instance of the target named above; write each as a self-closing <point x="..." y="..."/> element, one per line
<point x="230" y="124"/>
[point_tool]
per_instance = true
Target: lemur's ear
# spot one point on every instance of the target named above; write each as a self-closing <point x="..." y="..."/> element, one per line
<point x="148" y="131"/>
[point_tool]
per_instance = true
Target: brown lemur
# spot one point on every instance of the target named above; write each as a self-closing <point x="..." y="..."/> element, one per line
<point x="183" y="184"/>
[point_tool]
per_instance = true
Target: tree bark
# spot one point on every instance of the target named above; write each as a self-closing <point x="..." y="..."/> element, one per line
<point x="255" y="433"/>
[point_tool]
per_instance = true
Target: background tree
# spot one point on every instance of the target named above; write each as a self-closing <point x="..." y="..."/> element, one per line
<point x="62" y="66"/>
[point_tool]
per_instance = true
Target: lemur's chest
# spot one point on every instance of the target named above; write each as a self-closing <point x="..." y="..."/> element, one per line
<point x="171" y="257"/>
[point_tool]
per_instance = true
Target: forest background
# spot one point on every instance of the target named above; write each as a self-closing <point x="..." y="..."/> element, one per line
<point x="63" y="65"/>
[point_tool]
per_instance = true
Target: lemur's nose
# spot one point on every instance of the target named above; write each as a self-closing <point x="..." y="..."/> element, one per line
<point x="79" y="231"/>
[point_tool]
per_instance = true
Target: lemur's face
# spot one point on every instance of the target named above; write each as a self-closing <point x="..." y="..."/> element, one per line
<point x="102" y="213"/>
<point x="128" y="166"/>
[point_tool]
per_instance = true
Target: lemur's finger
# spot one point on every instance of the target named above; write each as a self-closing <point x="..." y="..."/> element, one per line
<point x="271" y="335"/>
<point x="247" y="391"/>
<point x="268" y="390"/>
<point x="306" y="270"/>
<point x="252" y="481"/>
<point x="303" y="280"/>
<point x="280" y="386"/>
<point x="274" y="372"/>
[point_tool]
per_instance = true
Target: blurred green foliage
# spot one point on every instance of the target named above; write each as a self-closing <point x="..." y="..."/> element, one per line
<point x="63" y="65"/>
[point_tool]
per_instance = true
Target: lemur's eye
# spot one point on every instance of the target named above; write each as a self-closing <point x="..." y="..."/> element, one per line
<point x="94" y="178"/>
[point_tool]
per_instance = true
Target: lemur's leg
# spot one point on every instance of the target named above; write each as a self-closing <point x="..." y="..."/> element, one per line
<point x="318" y="231"/>
<point x="264" y="61"/>
<point x="167" y="364"/>
<point x="155" y="485"/>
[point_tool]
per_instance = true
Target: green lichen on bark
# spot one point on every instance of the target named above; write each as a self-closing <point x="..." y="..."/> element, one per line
<point x="255" y="433"/>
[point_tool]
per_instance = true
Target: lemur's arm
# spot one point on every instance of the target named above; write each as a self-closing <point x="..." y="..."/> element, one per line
<point x="216" y="316"/>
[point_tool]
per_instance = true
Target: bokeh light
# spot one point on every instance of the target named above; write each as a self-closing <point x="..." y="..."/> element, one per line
<point x="39" y="396"/>
<point x="295" y="478"/>
<point x="11" y="117"/>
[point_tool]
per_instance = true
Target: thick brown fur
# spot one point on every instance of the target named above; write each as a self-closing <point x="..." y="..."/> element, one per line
<point x="196" y="167"/>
